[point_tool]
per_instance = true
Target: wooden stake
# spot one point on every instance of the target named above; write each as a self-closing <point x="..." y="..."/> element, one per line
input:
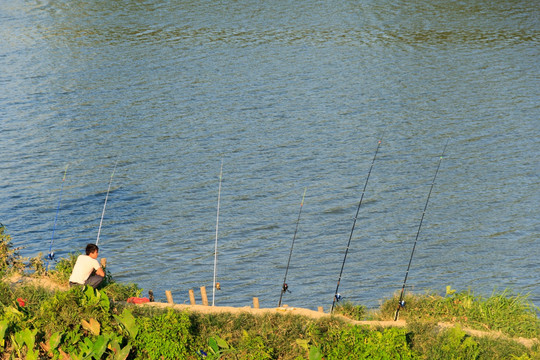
<point x="255" y="303"/>
<point x="321" y="309"/>
<point x="103" y="262"/>
<point x="169" y="297"/>
<point x="191" y="297"/>
<point x="203" y="296"/>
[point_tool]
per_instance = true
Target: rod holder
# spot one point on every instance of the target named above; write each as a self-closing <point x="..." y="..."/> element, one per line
<point x="169" y="297"/>
<point x="203" y="296"/>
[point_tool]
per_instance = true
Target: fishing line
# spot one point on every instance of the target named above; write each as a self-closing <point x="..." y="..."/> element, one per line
<point x="215" y="247"/>
<point x="337" y="296"/>
<point x="401" y="302"/>
<point x="285" y="287"/>
<point x="51" y="253"/>
<point x="105" y="204"/>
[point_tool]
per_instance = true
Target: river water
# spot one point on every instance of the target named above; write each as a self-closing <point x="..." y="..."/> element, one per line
<point x="290" y="96"/>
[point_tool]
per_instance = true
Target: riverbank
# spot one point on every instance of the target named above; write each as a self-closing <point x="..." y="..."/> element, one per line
<point x="50" y="284"/>
<point x="45" y="282"/>
<point x="41" y="318"/>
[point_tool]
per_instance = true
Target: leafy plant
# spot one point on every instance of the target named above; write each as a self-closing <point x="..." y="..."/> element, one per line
<point x="128" y="323"/>
<point x="119" y="352"/>
<point x="51" y="345"/>
<point x="164" y="336"/>
<point x="218" y="347"/>
<point x="4" y="324"/>
<point x="25" y="337"/>
<point x="253" y="347"/>
<point x="94" y="297"/>
<point x="314" y="353"/>
<point x="65" y="310"/>
<point x="452" y="343"/>
<point x="10" y="260"/>
<point x="356" y="342"/>
<point x="37" y="265"/>
<point x="120" y="292"/>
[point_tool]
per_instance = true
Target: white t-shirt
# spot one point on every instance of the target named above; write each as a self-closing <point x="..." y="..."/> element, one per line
<point x="83" y="269"/>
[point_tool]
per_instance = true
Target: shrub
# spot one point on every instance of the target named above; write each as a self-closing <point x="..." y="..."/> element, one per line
<point x="164" y="336"/>
<point x="65" y="310"/>
<point x="10" y="260"/>
<point x="37" y="265"/>
<point x="120" y="292"/>
<point x="358" y="342"/>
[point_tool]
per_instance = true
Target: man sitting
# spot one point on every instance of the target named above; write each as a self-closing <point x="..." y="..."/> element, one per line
<point x="85" y="266"/>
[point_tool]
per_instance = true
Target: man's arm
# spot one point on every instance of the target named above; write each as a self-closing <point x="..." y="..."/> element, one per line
<point x="100" y="272"/>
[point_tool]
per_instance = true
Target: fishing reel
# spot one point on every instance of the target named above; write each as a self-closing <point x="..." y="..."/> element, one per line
<point x="51" y="255"/>
<point x="218" y="286"/>
<point x="285" y="288"/>
<point x="338" y="297"/>
<point x="402" y="303"/>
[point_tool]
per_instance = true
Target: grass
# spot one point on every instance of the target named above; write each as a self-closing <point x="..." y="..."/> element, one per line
<point x="350" y="310"/>
<point x="491" y="313"/>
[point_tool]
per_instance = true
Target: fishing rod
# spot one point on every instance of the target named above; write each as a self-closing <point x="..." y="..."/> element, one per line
<point x="217" y="225"/>
<point x="401" y="302"/>
<point x="51" y="253"/>
<point x="105" y="204"/>
<point x="285" y="287"/>
<point x="337" y="297"/>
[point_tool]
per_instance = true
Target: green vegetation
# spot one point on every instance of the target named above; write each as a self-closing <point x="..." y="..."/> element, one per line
<point x="511" y="314"/>
<point x="10" y="260"/>
<point x="84" y="323"/>
<point x="350" y="310"/>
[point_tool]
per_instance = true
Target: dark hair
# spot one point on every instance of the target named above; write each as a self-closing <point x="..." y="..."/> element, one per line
<point x="90" y="248"/>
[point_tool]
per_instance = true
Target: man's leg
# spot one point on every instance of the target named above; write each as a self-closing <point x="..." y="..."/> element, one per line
<point x="94" y="281"/>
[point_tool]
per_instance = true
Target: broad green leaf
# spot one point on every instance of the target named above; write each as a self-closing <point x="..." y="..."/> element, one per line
<point x="3" y="328"/>
<point x="100" y="346"/>
<point x="29" y="337"/>
<point x="18" y="340"/>
<point x="123" y="354"/>
<point x="114" y="346"/>
<point x="315" y="353"/>
<point x="213" y="345"/>
<point x="90" y="294"/>
<point x="303" y="343"/>
<point x="222" y="343"/>
<point x="104" y="301"/>
<point x="128" y="321"/>
<point x="55" y="339"/>
<point x="75" y="338"/>
<point x="32" y="354"/>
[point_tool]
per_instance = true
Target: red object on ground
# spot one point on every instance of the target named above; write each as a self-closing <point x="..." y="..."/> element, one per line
<point x="137" y="300"/>
<point x="21" y="302"/>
